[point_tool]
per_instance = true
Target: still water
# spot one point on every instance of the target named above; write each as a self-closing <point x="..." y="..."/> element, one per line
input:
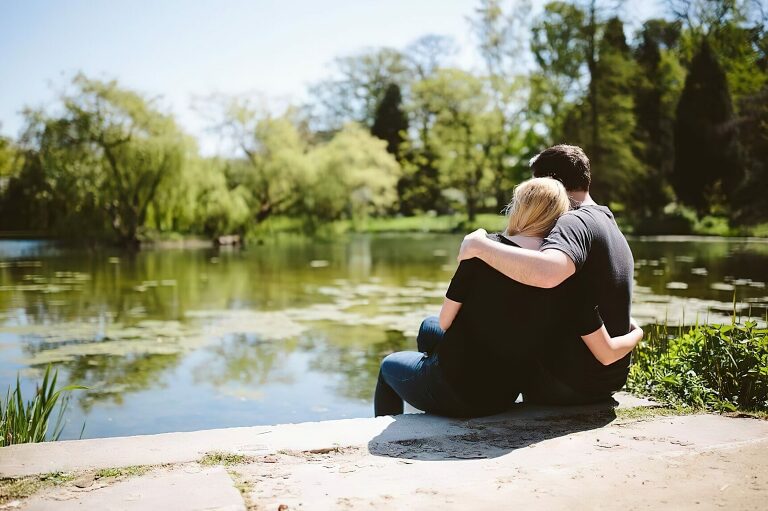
<point x="290" y="331"/>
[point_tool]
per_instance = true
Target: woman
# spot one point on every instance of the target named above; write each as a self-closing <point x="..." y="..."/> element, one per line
<point x="479" y="354"/>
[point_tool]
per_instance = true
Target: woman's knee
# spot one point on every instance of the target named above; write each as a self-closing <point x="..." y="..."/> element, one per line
<point x="431" y="324"/>
<point x="430" y="334"/>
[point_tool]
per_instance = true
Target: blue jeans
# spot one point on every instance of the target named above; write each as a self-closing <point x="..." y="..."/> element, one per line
<point x="415" y="376"/>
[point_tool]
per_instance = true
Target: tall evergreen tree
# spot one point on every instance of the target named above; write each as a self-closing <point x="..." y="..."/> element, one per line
<point x="617" y="168"/>
<point x="656" y="90"/>
<point x="707" y="167"/>
<point x="391" y="123"/>
<point x="752" y="206"/>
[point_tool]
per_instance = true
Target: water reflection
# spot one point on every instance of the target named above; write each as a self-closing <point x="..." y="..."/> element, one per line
<point x="244" y="362"/>
<point x="290" y="331"/>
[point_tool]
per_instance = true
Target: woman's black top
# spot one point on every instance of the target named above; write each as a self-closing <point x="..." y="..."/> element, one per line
<point x="487" y="352"/>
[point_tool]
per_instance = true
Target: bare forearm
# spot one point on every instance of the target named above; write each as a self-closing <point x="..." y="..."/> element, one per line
<point x="608" y="349"/>
<point x="539" y="269"/>
<point x="448" y="313"/>
<point x="516" y="263"/>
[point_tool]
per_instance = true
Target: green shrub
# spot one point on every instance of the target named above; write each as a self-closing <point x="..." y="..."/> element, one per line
<point x="26" y="422"/>
<point x="715" y="367"/>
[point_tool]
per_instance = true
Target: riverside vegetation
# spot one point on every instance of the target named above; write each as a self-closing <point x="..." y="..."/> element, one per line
<point x="24" y="421"/>
<point x="712" y="367"/>
<point x="673" y="115"/>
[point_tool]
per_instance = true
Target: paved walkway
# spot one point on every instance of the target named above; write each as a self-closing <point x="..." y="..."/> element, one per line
<point x="531" y="457"/>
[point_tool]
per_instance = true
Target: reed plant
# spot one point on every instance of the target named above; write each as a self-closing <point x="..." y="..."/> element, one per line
<point x="714" y="367"/>
<point x="30" y="421"/>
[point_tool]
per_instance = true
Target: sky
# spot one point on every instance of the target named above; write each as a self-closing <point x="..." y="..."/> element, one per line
<point x="182" y="49"/>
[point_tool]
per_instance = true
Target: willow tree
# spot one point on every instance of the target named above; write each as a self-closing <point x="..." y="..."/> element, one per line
<point x="353" y="176"/>
<point x="271" y="161"/>
<point x="104" y="156"/>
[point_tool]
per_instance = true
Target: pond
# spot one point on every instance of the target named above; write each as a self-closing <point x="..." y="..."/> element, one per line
<point x="289" y="331"/>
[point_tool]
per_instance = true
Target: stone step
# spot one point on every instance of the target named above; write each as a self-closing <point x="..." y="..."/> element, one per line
<point x="188" y="488"/>
<point x="99" y="453"/>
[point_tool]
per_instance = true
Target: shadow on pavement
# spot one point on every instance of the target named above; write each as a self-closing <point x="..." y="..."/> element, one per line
<point x="427" y="437"/>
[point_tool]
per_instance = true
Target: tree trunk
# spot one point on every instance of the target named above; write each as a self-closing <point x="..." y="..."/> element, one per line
<point x="471" y="207"/>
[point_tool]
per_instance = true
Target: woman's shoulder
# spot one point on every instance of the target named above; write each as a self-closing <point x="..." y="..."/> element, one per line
<point x="500" y="238"/>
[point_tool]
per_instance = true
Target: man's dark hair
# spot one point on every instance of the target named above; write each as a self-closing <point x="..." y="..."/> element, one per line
<point x="566" y="163"/>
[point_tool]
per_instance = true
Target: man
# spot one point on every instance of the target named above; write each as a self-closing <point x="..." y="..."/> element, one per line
<point x="588" y="260"/>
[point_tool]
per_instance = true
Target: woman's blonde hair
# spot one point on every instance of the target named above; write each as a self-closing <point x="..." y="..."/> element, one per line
<point x="535" y="207"/>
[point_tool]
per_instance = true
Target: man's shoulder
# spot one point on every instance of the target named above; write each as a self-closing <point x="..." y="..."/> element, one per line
<point x="592" y="216"/>
<point x="595" y="211"/>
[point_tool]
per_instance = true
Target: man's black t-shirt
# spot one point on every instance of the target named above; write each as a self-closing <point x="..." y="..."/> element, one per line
<point x="602" y="283"/>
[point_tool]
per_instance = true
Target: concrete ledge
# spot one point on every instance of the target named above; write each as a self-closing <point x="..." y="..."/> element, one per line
<point x="75" y="455"/>
<point x="202" y="489"/>
<point x="565" y="458"/>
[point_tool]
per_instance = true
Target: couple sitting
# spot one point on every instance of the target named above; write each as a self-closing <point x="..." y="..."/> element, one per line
<point x="542" y="309"/>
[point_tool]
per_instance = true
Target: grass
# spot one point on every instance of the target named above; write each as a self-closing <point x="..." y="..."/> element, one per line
<point x="424" y="223"/>
<point x="136" y="470"/>
<point x="24" y="487"/>
<point x="21" y="488"/>
<point x="244" y="487"/>
<point x="680" y="221"/>
<point x="24" y="421"/>
<point x="710" y="367"/>
<point x="224" y="458"/>
<point x="650" y="412"/>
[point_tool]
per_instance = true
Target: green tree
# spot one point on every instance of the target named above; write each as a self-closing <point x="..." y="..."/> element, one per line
<point x="106" y="155"/>
<point x="616" y="168"/>
<point x="202" y="201"/>
<point x="273" y="166"/>
<point x="460" y="132"/>
<point x="391" y="122"/>
<point x="656" y="91"/>
<point x="707" y="167"/>
<point x="356" y="88"/>
<point x="7" y="158"/>
<point x="419" y="188"/>
<point x="29" y="198"/>
<point x="353" y="176"/>
<point x="429" y="53"/>
<point x="751" y="206"/>
<point x="502" y="36"/>
<point x="558" y="80"/>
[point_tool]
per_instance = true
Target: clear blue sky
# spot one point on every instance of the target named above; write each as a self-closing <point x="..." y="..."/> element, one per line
<point x="179" y="49"/>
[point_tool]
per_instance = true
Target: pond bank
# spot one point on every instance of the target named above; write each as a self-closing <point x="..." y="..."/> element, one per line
<point x="583" y="457"/>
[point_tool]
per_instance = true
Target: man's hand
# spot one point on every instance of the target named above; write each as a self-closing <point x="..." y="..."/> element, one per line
<point x="470" y="246"/>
